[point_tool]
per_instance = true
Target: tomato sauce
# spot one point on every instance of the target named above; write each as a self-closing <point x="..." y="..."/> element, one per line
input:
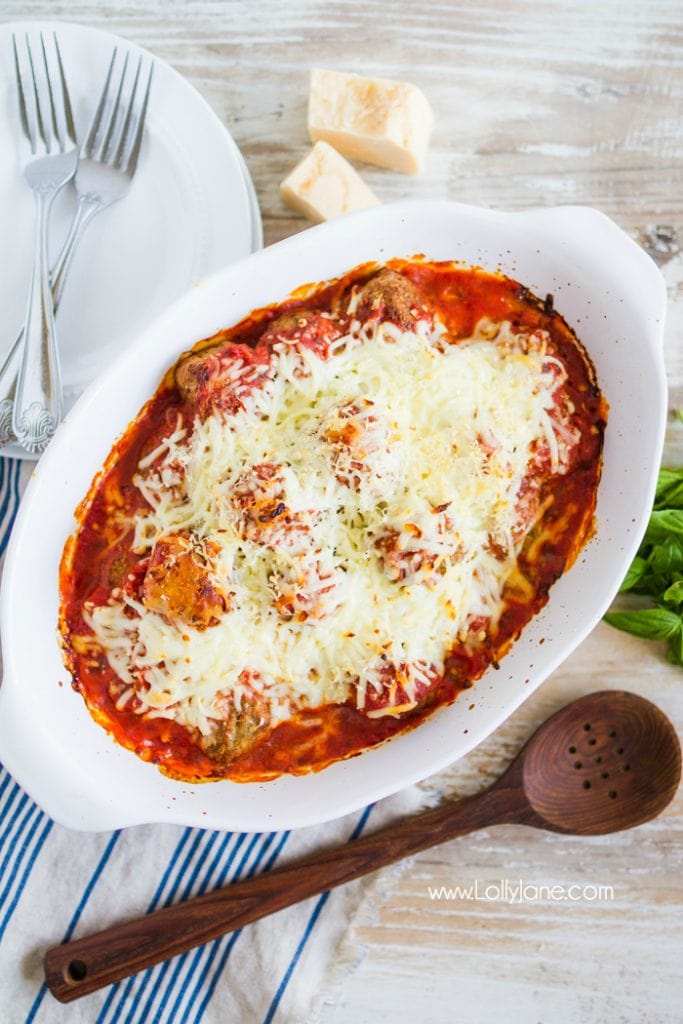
<point x="98" y="557"/>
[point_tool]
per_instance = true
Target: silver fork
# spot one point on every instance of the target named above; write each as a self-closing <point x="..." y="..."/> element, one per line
<point x="108" y="161"/>
<point x="109" y="158"/>
<point x="47" y="124"/>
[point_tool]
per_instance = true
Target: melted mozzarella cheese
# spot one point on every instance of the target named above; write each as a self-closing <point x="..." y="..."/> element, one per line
<point x="393" y="560"/>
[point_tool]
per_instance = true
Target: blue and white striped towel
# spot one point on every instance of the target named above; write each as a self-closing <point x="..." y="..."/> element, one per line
<point x="56" y="884"/>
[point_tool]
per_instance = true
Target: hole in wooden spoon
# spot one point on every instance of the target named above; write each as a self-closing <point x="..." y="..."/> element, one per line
<point x="76" y="970"/>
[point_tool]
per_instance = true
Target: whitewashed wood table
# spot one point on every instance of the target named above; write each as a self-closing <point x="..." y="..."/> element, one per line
<point x="536" y="104"/>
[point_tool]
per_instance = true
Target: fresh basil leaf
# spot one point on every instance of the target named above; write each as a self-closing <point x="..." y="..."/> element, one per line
<point x="650" y="623"/>
<point x="674" y="649"/>
<point x="634" y="574"/>
<point x="668" y="475"/>
<point x="672" y="498"/>
<point x="667" y="556"/>
<point x="657" y="570"/>
<point x="662" y="524"/>
<point x="674" y="593"/>
<point x="669" y="492"/>
<point x="664" y="565"/>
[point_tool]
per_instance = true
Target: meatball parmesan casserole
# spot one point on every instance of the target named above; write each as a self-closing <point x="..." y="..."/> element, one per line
<point x="330" y="519"/>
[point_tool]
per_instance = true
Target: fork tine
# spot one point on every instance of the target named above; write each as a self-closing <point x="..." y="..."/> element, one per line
<point x="36" y="99"/>
<point x="137" y="141"/>
<point x="26" y="127"/>
<point x="99" y="112"/>
<point x="117" y="160"/>
<point x="51" y="115"/>
<point x="104" y="144"/>
<point x="66" y="101"/>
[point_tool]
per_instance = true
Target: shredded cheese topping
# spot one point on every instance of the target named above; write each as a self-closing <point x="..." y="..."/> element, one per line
<point x="367" y="508"/>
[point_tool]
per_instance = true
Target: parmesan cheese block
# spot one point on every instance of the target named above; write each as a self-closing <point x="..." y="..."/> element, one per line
<point x="372" y="119"/>
<point x="324" y="185"/>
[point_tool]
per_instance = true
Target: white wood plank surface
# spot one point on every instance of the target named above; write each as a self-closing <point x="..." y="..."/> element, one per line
<point x="536" y="103"/>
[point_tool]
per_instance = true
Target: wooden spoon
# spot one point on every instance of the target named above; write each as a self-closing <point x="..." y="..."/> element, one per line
<point x="606" y="762"/>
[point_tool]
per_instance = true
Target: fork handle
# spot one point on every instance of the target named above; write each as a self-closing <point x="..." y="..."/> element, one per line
<point x="88" y="206"/>
<point x="38" y="400"/>
<point x="8" y="388"/>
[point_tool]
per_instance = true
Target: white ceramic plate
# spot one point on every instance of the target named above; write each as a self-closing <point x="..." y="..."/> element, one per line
<point x="190" y="210"/>
<point x="603" y="284"/>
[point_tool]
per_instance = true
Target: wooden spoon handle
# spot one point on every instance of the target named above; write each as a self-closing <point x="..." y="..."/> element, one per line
<point x="84" y="965"/>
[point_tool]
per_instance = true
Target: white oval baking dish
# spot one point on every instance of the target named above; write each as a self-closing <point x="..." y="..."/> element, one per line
<point x="604" y="286"/>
